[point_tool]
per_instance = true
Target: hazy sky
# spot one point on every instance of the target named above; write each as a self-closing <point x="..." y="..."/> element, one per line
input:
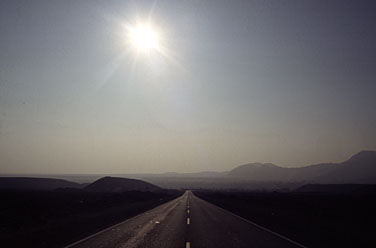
<point x="287" y="82"/>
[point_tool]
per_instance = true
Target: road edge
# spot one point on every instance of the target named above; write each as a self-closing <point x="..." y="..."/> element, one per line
<point x="257" y="225"/>
<point x="114" y="226"/>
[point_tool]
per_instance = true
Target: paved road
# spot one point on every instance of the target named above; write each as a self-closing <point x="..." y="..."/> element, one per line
<point x="186" y="222"/>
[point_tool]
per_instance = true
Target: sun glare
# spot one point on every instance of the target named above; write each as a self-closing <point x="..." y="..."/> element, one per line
<point x="143" y="38"/>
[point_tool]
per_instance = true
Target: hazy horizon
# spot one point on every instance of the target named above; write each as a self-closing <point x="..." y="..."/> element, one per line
<point x="290" y="83"/>
<point x="160" y="172"/>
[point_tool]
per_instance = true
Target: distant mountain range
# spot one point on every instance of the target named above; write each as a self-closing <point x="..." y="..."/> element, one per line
<point x="36" y="184"/>
<point x="360" y="168"/>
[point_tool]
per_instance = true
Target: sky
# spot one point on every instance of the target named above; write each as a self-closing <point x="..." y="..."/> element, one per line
<point x="288" y="82"/>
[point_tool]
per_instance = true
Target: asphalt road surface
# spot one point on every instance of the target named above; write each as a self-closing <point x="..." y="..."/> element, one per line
<point x="186" y="222"/>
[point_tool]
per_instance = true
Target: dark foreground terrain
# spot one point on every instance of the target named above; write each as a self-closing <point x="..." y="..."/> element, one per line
<point x="312" y="219"/>
<point x="58" y="218"/>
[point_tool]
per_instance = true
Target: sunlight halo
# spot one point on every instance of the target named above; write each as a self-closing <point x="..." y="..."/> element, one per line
<point x="143" y="38"/>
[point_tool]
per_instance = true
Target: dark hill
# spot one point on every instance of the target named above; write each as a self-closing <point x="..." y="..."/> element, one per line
<point x="119" y="184"/>
<point x="35" y="184"/>
<point x="259" y="172"/>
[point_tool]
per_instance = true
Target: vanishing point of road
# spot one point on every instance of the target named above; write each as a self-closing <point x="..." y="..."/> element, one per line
<point x="186" y="222"/>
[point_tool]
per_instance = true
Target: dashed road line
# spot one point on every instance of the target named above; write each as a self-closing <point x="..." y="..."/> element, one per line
<point x="187" y="245"/>
<point x="188" y="221"/>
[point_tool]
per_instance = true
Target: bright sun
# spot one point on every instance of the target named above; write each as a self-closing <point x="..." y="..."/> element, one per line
<point x="143" y="38"/>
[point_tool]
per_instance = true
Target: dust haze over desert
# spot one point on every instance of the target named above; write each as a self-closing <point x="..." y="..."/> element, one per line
<point x="166" y="86"/>
<point x="196" y="124"/>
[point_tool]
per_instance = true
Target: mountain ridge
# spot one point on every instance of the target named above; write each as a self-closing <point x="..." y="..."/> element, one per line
<point x="359" y="168"/>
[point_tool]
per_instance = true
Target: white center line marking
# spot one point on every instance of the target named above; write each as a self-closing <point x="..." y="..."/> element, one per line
<point x="187" y="245"/>
<point x="188" y="221"/>
<point x="188" y="211"/>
